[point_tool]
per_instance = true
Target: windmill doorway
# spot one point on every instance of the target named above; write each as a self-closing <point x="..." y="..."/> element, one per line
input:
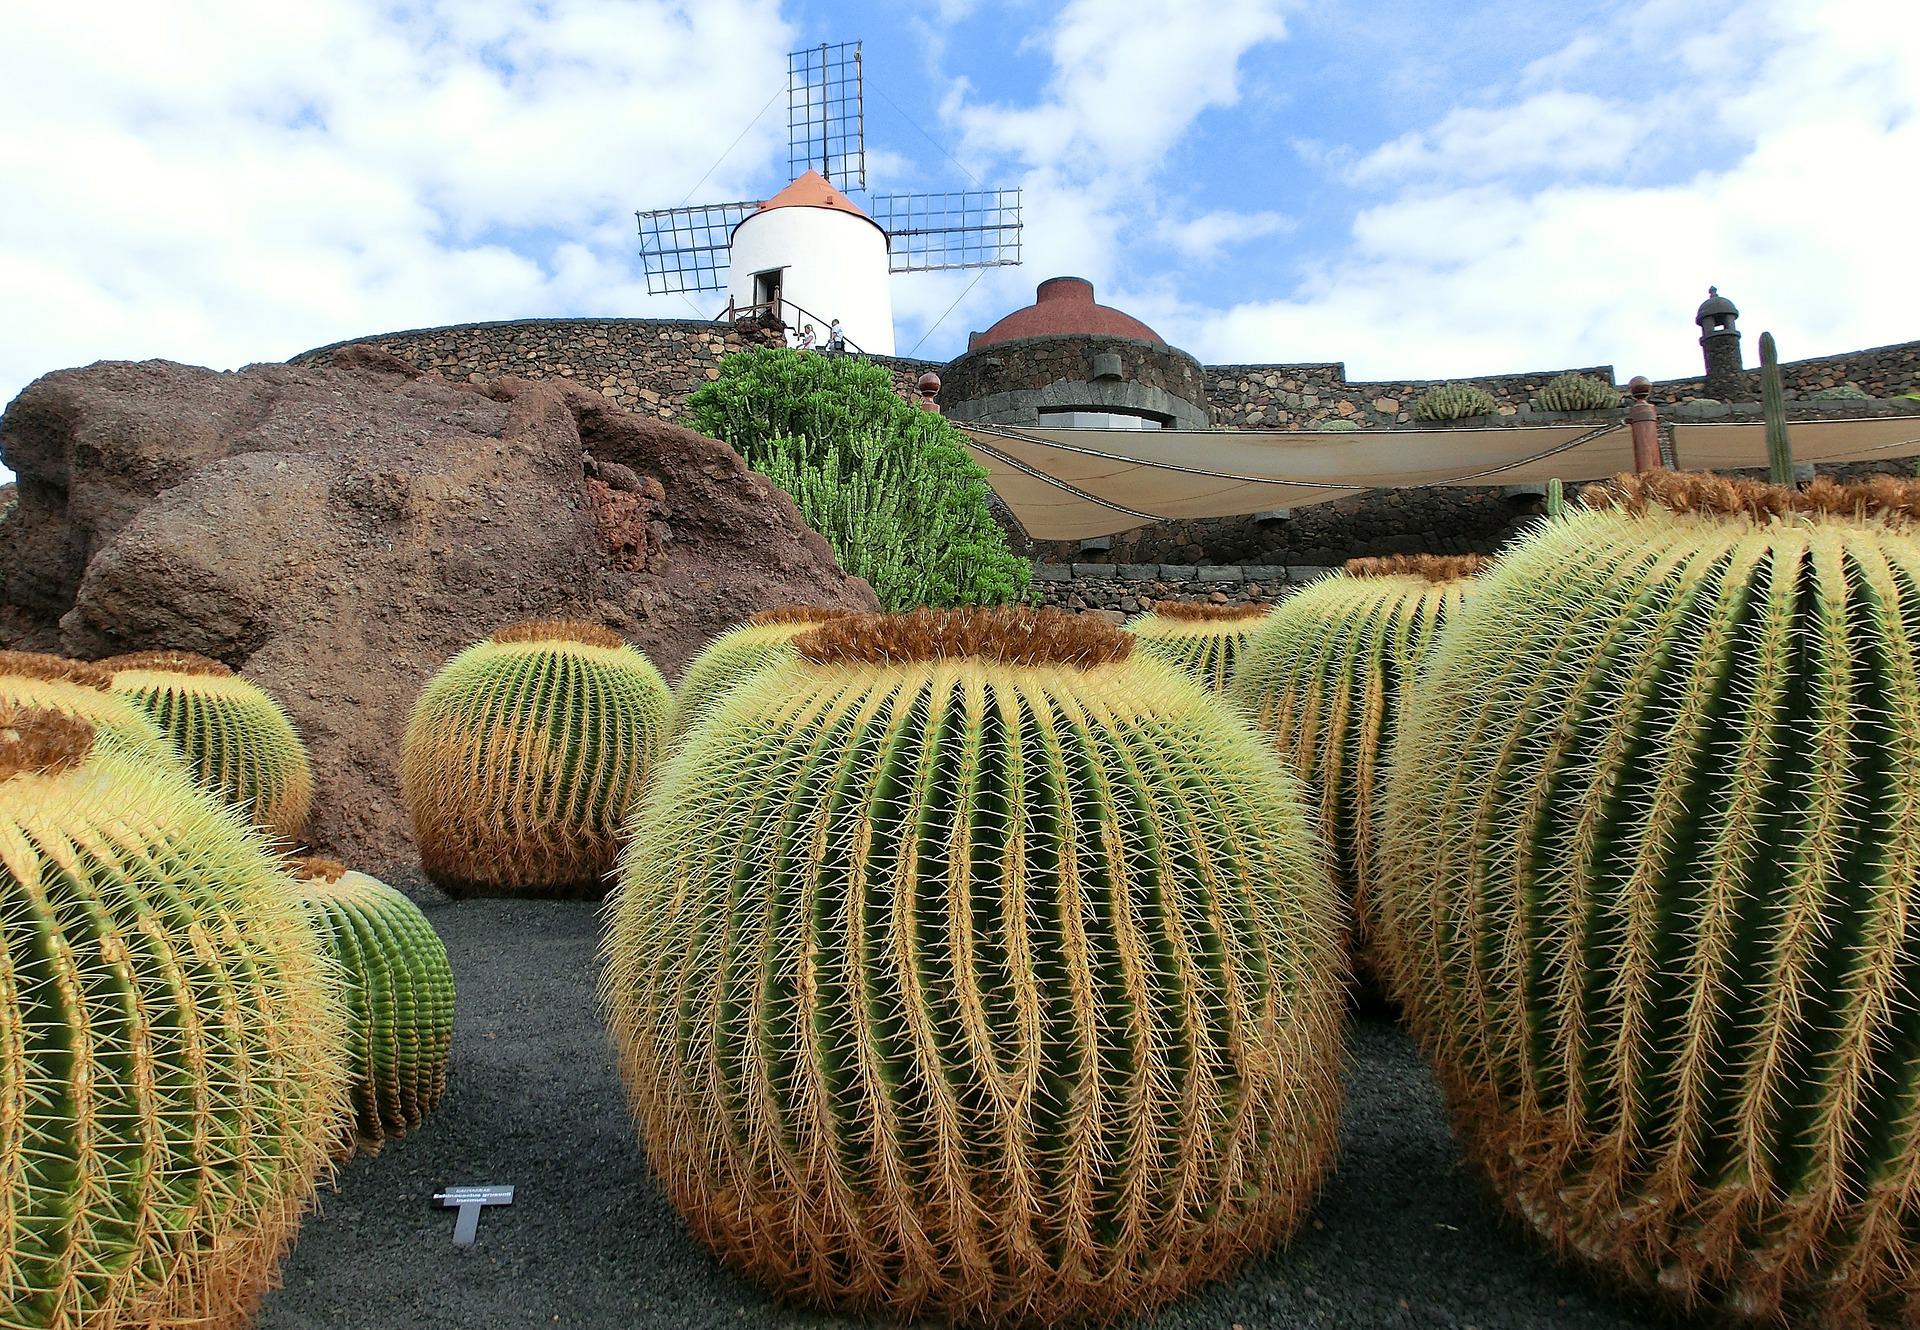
<point x="766" y="290"/>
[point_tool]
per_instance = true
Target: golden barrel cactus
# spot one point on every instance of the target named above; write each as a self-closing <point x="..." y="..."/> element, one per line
<point x="170" y="1070"/>
<point x="83" y="690"/>
<point x="970" y="966"/>
<point x="1203" y="639"/>
<point x="1323" y="679"/>
<point x="398" y="988"/>
<point x="235" y="738"/>
<point x="1651" y="890"/>
<point x="525" y="754"/>
<point x="731" y="658"/>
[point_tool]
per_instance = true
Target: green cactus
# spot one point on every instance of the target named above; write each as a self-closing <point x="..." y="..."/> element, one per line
<point x="968" y="966"/>
<point x="525" y="754"/>
<point x="1323" y="679"/>
<point x="1454" y="401"/>
<point x="1650" y="893"/>
<point x="399" y="997"/>
<point x="1204" y="640"/>
<point x="1773" y="406"/>
<point x="1556" y="503"/>
<point x="77" y="688"/>
<point x="171" y="1077"/>
<point x="234" y="736"/>
<point x="1335" y="425"/>
<point x="733" y="657"/>
<point x="1840" y="392"/>
<point x="1576" y="392"/>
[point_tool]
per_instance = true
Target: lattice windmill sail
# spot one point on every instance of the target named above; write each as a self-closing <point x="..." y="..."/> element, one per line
<point x="810" y="256"/>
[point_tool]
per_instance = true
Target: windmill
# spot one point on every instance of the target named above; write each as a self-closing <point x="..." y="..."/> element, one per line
<point x="810" y="254"/>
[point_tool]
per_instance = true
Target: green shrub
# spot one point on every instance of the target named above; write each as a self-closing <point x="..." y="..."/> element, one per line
<point x="1454" y="401"/>
<point x="1334" y="425"/>
<point x="889" y="485"/>
<point x="1840" y="392"/>
<point x="1576" y="392"/>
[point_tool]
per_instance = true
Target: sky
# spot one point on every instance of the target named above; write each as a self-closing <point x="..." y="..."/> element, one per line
<point x="1416" y="188"/>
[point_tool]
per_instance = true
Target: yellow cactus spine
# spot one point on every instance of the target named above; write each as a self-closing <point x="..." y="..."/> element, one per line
<point x="170" y="1043"/>
<point x="525" y="754"/>
<point x="1650" y="888"/>
<point x="234" y="736"/>
<point x="84" y="691"/>
<point x="731" y="658"/>
<point x="1323" y="679"/>
<point x="399" y="996"/>
<point x="1205" y="640"/>
<point x="968" y="966"/>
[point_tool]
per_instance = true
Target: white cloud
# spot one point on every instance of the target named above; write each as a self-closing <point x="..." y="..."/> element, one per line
<point x="1205" y="237"/>
<point x="1566" y="133"/>
<point x="226" y="181"/>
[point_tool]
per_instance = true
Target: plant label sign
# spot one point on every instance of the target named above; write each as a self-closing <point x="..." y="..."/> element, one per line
<point x="469" y="1201"/>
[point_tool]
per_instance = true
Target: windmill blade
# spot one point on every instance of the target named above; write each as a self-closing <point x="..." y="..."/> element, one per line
<point x="685" y="249"/>
<point x="969" y="228"/>
<point x="826" y="114"/>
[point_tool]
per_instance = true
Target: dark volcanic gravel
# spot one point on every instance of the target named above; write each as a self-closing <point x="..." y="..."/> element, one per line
<point x="1401" y="1236"/>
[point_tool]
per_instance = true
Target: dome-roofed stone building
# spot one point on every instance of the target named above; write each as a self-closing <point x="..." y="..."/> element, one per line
<point x="1070" y="362"/>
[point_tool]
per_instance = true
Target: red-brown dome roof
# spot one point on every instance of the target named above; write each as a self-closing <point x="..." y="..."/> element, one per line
<point x="1063" y="305"/>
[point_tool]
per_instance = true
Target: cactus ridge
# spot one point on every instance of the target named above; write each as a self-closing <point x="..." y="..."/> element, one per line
<point x="1008" y="636"/>
<point x="1893" y="500"/>
<point x="1649" y="901"/>
<point x="170" y="1071"/>
<point x="799" y="614"/>
<point x="522" y="760"/>
<point x="79" y="689"/>
<point x="1433" y="567"/>
<point x="998" y="993"/>
<point x="585" y="632"/>
<point x="399" y="997"/>
<point x="1324" y="680"/>
<point x="1204" y="640"/>
<point x="234" y="737"/>
<point x="171" y="662"/>
<point x="733" y="657"/>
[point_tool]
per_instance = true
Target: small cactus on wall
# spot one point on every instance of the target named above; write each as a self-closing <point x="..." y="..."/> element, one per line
<point x="733" y="657"/>
<point x="966" y="967"/>
<point x="1840" y="392"/>
<point x="525" y="754"/>
<point x="1203" y="639"/>
<point x="1335" y="425"/>
<point x="1649" y="896"/>
<point x="398" y="994"/>
<point x="1454" y="401"/>
<point x="84" y="690"/>
<point x="1576" y="392"/>
<point x="171" y="1076"/>
<point x="233" y="735"/>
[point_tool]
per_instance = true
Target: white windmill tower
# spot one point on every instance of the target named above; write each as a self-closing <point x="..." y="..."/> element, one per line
<point x="810" y="254"/>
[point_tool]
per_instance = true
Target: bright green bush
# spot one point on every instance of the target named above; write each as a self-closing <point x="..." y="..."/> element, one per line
<point x="889" y="485"/>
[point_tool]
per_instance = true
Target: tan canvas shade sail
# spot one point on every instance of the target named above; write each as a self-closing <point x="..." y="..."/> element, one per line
<point x="1067" y="484"/>
<point x="1729" y="445"/>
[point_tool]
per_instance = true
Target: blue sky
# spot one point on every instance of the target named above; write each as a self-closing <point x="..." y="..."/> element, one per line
<point x="1417" y="188"/>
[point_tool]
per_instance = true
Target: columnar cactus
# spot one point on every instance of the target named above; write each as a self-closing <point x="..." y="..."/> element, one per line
<point x="1204" y="640"/>
<point x="1323" y="680"/>
<point x="399" y="996"/>
<point x="170" y="1067"/>
<point x="1651" y="890"/>
<point x="763" y="640"/>
<point x="1454" y="401"/>
<point x="1576" y="392"/>
<point x="233" y="735"/>
<point x="525" y="754"/>
<point x="83" y="690"/>
<point x="966" y="966"/>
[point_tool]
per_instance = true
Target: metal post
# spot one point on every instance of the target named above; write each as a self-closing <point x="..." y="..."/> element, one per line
<point x="1644" y="422"/>
<point x="826" y="110"/>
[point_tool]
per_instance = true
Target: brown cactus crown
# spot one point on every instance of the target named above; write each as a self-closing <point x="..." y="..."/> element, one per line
<point x="1201" y="611"/>
<point x="1433" y="567"/>
<point x="40" y="741"/>
<point x="54" y="669"/>
<point x="1893" y="499"/>
<point x="167" y="662"/>
<point x="316" y="869"/>
<point x="1009" y="636"/>
<point x="560" y="630"/>
<point x="798" y="614"/>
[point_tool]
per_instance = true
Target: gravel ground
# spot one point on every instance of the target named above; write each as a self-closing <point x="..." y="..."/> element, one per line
<point x="1401" y="1236"/>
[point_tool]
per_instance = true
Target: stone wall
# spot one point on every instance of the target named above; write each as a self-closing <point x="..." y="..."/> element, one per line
<point x="1302" y="396"/>
<point x="1013" y="382"/>
<point x="1128" y="588"/>
<point x="1878" y="371"/>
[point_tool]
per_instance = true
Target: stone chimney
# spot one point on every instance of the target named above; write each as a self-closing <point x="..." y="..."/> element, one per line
<point x="1720" y="345"/>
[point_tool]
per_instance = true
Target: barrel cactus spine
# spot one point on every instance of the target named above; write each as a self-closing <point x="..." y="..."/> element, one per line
<point x="1204" y="639"/>
<point x="85" y="691"/>
<point x="398" y="991"/>
<point x="1650" y="895"/>
<point x="235" y="738"/>
<point x="763" y="640"/>
<point x="967" y="966"/>
<point x="525" y="754"/>
<point x="171" y="1078"/>
<point x="1323" y="679"/>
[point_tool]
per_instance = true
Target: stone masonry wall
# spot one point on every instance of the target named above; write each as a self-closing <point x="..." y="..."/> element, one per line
<point x="1878" y="371"/>
<point x="1127" y="589"/>
<point x="1010" y="382"/>
<point x="1301" y="396"/>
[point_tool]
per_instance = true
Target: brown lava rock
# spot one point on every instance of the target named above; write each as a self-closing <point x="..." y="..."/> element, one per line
<point x="337" y="533"/>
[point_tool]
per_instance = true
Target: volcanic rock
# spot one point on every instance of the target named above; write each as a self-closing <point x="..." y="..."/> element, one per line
<point x="335" y="534"/>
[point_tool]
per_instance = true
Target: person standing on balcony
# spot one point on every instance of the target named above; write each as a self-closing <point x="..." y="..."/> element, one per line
<point x="836" y="340"/>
